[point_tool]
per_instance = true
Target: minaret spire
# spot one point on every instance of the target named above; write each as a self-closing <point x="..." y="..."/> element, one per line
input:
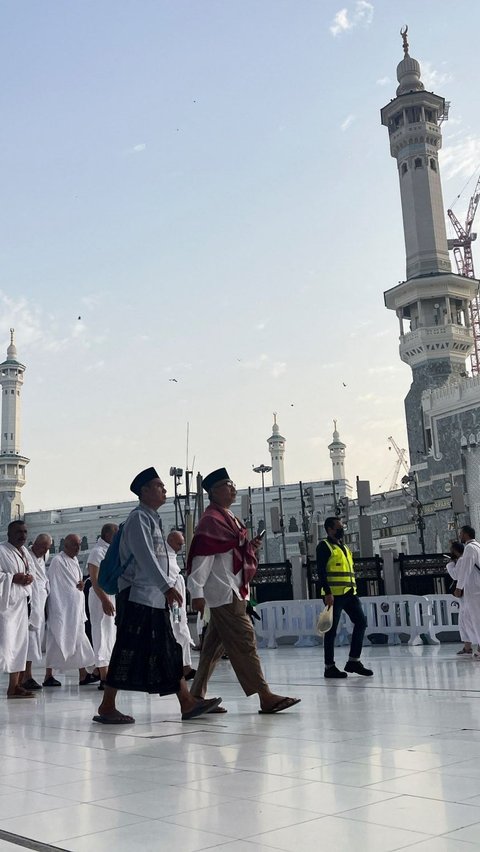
<point x="337" y="454"/>
<point x="432" y="304"/>
<point x="276" y="446"/>
<point x="12" y="462"/>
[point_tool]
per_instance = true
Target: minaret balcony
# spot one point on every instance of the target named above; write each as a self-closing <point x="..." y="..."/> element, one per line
<point x="436" y="342"/>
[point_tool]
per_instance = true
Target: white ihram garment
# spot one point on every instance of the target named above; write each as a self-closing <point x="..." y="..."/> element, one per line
<point x="469" y="581"/>
<point x="454" y="569"/>
<point x="67" y="643"/>
<point x="38" y="599"/>
<point x="180" y="628"/>
<point x="103" y="626"/>
<point x="13" y="608"/>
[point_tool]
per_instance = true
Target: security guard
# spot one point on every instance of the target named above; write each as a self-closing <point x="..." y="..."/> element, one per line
<point x="337" y="577"/>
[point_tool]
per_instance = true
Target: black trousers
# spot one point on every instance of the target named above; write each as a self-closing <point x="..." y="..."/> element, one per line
<point x="353" y="607"/>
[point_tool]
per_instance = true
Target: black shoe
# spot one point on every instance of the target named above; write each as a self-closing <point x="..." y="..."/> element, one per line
<point x="356" y="667"/>
<point x="31" y="684"/>
<point x="101" y="685"/>
<point x="191" y="674"/>
<point x="50" y="681"/>
<point x="332" y="671"/>
<point x="88" y="680"/>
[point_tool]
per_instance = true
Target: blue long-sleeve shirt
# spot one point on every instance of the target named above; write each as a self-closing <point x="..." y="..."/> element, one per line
<point x="147" y="574"/>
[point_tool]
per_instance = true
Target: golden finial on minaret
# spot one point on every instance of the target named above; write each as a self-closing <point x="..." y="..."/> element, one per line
<point x="403" y="33"/>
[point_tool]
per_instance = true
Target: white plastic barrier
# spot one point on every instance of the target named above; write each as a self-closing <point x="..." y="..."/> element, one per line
<point x="389" y="615"/>
<point x="445" y="613"/>
<point x="292" y="618"/>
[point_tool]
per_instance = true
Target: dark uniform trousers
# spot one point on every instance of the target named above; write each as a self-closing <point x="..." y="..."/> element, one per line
<point x="350" y="603"/>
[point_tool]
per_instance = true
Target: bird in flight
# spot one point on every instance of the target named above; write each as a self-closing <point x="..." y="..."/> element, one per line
<point x="173" y="380"/>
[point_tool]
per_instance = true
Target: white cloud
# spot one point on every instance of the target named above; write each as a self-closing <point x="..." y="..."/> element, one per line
<point x="432" y="77"/>
<point x="361" y="15"/>
<point x="340" y="22"/>
<point x="264" y="362"/>
<point x="347" y="122"/>
<point x="383" y="81"/>
<point x="261" y="325"/>
<point x="137" y="149"/>
<point x="374" y="371"/>
<point x="278" y="368"/>
<point x="462" y="158"/>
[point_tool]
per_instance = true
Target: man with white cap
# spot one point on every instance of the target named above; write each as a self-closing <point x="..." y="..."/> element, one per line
<point x="175" y="543"/>
<point x="146" y="657"/>
<point x="221" y="563"/>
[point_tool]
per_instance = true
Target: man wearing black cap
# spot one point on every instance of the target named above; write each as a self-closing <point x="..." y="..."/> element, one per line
<point x="221" y="563"/>
<point x="146" y="657"/>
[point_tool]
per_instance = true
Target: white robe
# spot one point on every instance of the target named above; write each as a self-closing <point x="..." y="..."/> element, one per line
<point x="180" y="628"/>
<point x="13" y="609"/>
<point x="67" y="643"/>
<point x="103" y="626"/>
<point x="469" y="580"/>
<point x="454" y="569"/>
<point x="39" y="594"/>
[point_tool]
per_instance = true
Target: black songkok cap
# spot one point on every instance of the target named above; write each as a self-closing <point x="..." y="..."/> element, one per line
<point x="143" y="478"/>
<point x="216" y="476"/>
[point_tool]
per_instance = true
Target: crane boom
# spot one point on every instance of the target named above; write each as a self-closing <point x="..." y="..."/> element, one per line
<point x="401" y="462"/>
<point x="462" y="250"/>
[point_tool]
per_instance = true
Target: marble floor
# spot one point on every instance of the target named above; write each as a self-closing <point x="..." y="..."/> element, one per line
<point x="390" y="762"/>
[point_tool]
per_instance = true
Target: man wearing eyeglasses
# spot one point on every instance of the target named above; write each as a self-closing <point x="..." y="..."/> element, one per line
<point x="221" y="563"/>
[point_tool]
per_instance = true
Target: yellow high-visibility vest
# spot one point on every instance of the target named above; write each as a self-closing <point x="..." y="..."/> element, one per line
<point x="340" y="573"/>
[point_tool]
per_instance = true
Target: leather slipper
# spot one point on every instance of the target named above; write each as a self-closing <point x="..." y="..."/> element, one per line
<point x="218" y="710"/>
<point x="202" y="707"/>
<point x="284" y="704"/>
<point x="121" y="719"/>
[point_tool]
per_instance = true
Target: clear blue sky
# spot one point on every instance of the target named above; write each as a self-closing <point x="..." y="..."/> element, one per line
<point x="208" y="186"/>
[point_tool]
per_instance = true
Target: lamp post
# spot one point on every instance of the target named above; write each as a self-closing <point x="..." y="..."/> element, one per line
<point x="263" y="469"/>
<point x="418" y="506"/>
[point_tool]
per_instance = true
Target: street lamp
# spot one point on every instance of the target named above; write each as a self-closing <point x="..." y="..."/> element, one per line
<point x="263" y="469"/>
<point x="418" y="506"/>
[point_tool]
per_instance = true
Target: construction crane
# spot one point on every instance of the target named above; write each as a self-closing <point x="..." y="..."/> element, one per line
<point x="401" y="462"/>
<point x="462" y="250"/>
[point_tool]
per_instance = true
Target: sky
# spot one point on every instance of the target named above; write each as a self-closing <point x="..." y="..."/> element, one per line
<point x="201" y="190"/>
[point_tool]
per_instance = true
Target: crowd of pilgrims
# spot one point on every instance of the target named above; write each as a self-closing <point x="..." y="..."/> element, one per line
<point x="49" y="607"/>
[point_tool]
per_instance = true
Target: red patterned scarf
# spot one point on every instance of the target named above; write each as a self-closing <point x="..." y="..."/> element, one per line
<point x="218" y="531"/>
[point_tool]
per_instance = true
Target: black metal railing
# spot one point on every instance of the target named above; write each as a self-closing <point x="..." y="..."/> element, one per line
<point x="273" y="582"/>
<point x="423" y="574"/>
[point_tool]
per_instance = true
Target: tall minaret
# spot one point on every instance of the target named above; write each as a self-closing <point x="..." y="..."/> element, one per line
<point x="433" y="303"/>
<point x="12" y="463"/>
<point x="337" y="454"/>
<point x="276" y="446"/>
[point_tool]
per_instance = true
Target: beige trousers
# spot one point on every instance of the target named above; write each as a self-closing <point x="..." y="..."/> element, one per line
<point x="230" y="631"/>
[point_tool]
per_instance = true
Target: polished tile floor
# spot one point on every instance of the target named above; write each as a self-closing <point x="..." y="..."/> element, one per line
<point x="391" y="762"/>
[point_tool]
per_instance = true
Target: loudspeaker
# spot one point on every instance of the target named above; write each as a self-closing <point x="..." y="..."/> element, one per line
<point x="363" y="493"/>
<point x="458" y="500"/>
<point x="245" y="507"/>
<point x="275" y="519"/>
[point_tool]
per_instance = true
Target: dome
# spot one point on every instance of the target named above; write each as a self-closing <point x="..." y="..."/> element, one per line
<point x="12" y="349"/>
<point x="408" y="76"/>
